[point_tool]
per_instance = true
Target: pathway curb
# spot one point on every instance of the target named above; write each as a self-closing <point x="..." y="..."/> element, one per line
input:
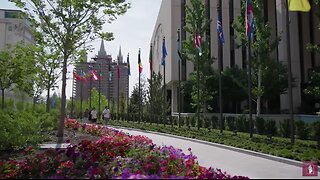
<point x="245" y="151"/>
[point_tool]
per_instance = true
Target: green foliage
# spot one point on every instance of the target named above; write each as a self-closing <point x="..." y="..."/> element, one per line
<point x="268" y="75"/>
<point x="20" y="129"/>
<point x="242" y="124"/>
<point x="313" y="88"/>
<point x="302" y="129"/>
<point x="231" y="123"/>
<point x="271" y="128"/>
<point x="260" y="125"/>
<point x="285" y="128"/>
<point x="196" y="21"/>
<point x="215" y="122"/>
<point x="302" y="150"/>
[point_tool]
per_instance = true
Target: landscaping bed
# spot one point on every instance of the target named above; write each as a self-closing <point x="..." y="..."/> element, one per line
<point x="114" y="155"/>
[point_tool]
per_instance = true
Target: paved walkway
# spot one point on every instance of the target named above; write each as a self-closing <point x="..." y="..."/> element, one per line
<point x="229" y="159"/>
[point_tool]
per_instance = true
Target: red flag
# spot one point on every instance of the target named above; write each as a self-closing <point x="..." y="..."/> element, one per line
<point x="95" y="77"/>
<point x="76" y="75"/>
<point x="197" y="42"/>
<point x="139" y="62"/>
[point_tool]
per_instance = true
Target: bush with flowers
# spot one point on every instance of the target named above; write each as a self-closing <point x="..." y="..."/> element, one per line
<point x="115" y="155"/>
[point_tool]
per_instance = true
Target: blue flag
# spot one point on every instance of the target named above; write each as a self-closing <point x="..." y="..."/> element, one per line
<point x="220" y="31"/>
<point x="164" y="52"/>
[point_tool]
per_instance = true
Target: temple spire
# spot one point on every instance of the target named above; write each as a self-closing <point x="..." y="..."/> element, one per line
<point x="102" y="51"/>
<point x="120" y="57"/>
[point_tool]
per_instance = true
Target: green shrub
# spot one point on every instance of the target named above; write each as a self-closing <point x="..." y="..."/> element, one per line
<point x="260" y="125"/>
<point x="19" y="129"/>
<point x="271" y="128"/>
<point x="193" y="121"/>
<point x="215" y="122"/>
<point x="231" y="123"/>
<point x="302" y="129"/>
<point x="207" y="123"/>
<point x="242" y="124"/>
<point x="285" y="128"/>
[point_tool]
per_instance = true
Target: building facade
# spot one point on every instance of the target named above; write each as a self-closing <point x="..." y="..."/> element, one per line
<point x="14" y="29"/>
<point x="303" y="30"/>
<point x="109" y="83"/>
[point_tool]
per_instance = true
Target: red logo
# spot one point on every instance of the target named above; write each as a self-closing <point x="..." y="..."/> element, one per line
<point x="309" y="168"/>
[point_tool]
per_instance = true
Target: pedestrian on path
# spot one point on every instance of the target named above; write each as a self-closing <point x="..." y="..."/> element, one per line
<point x="106" y="115"/>
<point x="93" y="115"/>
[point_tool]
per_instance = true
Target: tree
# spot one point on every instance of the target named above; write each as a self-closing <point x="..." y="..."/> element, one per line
<point x="313" y="88"/>
<point x="262" y="48"/>
<point x="135" y="99"/>
<point x="156" y="92"/>
<point x="69" y="25"/>
<point x="16" y="69"/>
<point x="196" y="21"/>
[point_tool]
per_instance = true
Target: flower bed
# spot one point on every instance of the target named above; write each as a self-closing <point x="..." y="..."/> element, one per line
<point x="114" y="155"/>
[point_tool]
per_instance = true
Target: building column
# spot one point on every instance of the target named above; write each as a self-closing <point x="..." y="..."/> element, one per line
<point x="295" y="54"/>
<point x="174" y="97"/>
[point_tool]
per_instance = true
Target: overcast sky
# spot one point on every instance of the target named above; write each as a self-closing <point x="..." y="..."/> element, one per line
<point x="131" y="31"/>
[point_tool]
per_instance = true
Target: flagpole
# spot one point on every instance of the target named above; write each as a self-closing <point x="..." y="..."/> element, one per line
<point x="118" y="73"/>
<point x="81" y="98"/>
<point x="249" y="34"/>
<point x="99" y="109"/>
<point x="179" y="78"/>
<point x="128" y="65"/>
<point x="220" y="57"/>
<point x="90" y="88"/>
<point x="109" y="80"/>
<point x="139" y="88"/>
<point x="164" y="91"/>
<point x="289" y="73"/>
<point x="72" y="95"/>
<point x="151" y="84"/>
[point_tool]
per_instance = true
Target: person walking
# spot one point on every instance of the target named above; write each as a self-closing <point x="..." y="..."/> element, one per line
<point x="106" y="115"/>
<point x="94" y="115"/>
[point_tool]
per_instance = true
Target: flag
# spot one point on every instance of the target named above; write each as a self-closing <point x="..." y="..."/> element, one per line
<point x="95" y="76"/>
<point x="110" y="73"/>
<point x="164" y="52"/>
<point x="179" y="44"/>
<point x="150" y="58"/>
<point x="139" y="62"/>
<point x="197" y="42"/>
<point x="76" y="75"/>
<point x="118" y="69"/>
<point x="220" y="31"/>
<point x="128" y="63"/>
<point x="249" y="20"/>
<point x="299" y="5"/>
<point x="83" y="75"/>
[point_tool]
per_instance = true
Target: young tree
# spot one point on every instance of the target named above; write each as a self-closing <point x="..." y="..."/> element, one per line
<point x="197" y="22"/>
<point x="262" y="48"/>
<point x="16" y="69"/>
<point x="69" y="25"/>
<point x="156" y="92"/>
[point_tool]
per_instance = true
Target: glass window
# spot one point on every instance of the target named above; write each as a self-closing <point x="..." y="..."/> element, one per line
<point x="11" y="14"/>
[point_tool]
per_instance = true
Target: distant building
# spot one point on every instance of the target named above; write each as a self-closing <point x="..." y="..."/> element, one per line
<point x="108" y="82"/>
<point x="14" y="29"/>
<point x="303" y="30"/>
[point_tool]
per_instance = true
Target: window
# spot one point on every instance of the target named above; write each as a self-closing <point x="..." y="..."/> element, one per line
<point x="12" y="14"/>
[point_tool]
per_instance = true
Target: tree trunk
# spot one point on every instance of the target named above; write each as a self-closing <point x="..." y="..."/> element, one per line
<point x="2" y="92"/>
<point x="48" y="100"/>
<point x="259" y="96"/>
<point x="63" y="99"/>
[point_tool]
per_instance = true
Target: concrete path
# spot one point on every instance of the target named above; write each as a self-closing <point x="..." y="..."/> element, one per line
<point x="234" y="161"/>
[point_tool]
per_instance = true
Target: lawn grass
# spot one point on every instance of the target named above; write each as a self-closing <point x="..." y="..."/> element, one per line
<point x="302" y="150"/>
